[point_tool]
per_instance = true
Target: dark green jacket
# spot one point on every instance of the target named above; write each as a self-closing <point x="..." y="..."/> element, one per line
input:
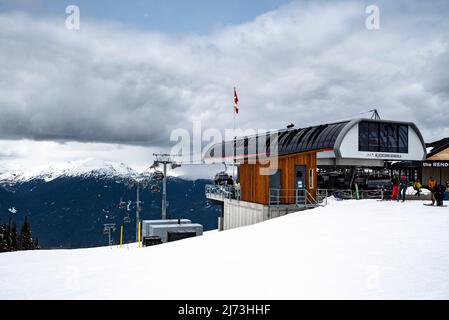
<point x="403" y="184"/>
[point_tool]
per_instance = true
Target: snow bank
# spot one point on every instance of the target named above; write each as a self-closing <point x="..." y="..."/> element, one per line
<point x="411" y="191"/>
<point x="347" y="250"/>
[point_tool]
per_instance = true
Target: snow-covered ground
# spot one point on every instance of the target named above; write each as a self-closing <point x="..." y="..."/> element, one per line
<point x="347" y="250"/>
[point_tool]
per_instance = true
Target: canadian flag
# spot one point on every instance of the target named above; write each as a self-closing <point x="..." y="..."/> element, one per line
<point x="236" y="102"/>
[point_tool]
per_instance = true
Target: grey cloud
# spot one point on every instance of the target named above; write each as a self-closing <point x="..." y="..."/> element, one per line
<point x="305" y="63"/>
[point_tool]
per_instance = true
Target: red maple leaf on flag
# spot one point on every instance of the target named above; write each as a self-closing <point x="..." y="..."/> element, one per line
<point x="236" y="102"/>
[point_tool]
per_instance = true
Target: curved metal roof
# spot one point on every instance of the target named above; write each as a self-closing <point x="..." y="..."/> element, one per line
<point x="287" y="141"/>
<point x="290" y="141"/>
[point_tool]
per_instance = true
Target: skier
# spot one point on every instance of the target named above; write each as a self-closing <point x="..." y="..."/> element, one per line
<point x="431" y="183"/>
<point x="439" y="192"/>
<point x="403" y="185"/>
<point x="395" y="182"/>
<point x="446" y="193"/>
<point x="417" y="187"/>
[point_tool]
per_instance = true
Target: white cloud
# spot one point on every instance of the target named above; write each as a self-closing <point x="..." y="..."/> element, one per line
<point x="306" y="62"/>
<point x="20" y="154"/>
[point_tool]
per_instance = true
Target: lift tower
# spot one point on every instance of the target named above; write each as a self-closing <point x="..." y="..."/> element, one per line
<point x="139" y="184"/>
<point x="108" y="229"/>
<point x="164" y="160"/>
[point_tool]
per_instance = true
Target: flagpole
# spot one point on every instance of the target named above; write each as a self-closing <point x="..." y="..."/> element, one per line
<point x="235" y="139"/>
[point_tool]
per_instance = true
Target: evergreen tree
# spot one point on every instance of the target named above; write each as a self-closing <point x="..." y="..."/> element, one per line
<point x="3" y="244"/>
<point x="14" y="238"/>
<point x="8" y="236"/>
<point x="36" y="244"/>
<point x="26" y="238"/>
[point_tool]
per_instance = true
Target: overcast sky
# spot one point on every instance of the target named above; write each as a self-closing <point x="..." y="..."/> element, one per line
<point x="138" y="69"/>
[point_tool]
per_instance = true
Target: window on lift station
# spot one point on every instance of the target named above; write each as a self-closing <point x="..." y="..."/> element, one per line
<point x="383" y="137"/>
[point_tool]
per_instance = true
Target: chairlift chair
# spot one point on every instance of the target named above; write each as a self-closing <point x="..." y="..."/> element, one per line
<point x="155" y="188"/>
<point x="157" y="175"/>
<point x="122" y="204"/>
<point x="221" y="178"/>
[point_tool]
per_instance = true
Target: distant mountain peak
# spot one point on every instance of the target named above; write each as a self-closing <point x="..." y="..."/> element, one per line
<point x="79" y="168"/>
<point x="92" y="167"/>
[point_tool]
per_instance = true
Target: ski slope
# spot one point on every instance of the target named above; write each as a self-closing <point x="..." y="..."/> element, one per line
<point x="346" y="250"/>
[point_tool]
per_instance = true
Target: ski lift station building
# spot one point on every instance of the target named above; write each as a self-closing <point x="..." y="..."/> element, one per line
<point x="268" y="190"/>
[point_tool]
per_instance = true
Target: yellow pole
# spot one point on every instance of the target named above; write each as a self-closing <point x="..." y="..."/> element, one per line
<point x="121" y="236"/>
<point x="138" y="240"/>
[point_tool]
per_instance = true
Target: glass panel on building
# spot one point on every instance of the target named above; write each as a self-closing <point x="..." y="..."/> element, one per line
<point x="363" y="136"/>
<point x="373" y="136"/>
<point x="403" y="139"/>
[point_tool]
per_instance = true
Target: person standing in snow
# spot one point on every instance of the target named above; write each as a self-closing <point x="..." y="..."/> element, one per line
<point x="403" y="185"/>
<point x="439" y="194"/>
<point x="395" y="183"/>
<point x="442" y="190"/>
<point x="431" y="183"/>
<point x="417" y="187"/>
<point x="447" y="191"/>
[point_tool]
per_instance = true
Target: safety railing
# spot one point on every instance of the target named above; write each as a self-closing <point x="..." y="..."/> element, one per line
<point x="348" y="194"/>
<point x="372" y="194"/>
<point x="344" y="194"/>
<point x="295" y="197"/>
<point x="287" y="196"/>
<point x="321" y="196"/>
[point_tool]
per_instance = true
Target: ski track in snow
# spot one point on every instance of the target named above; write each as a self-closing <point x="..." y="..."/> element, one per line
<point x="348" y="250"/>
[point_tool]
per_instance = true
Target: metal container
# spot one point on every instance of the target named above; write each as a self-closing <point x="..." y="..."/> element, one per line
<point x="183" y="230"/>
<point x="147" y="223"/>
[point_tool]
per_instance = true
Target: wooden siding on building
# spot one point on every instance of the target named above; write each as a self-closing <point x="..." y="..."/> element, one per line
<point x="442" y="155"/>
<point x="255" y="186"/>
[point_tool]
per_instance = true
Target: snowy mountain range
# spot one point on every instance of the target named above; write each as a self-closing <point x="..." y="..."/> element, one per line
<point x="96" y="168"/>
<point x="68" y="203"/>
<point x="80" y="168"/>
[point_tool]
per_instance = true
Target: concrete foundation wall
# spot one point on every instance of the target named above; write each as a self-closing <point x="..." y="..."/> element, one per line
<point x="241" y="213"/>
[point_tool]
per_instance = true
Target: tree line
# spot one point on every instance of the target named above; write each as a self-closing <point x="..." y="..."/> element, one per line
<point x="11" y="240"/>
